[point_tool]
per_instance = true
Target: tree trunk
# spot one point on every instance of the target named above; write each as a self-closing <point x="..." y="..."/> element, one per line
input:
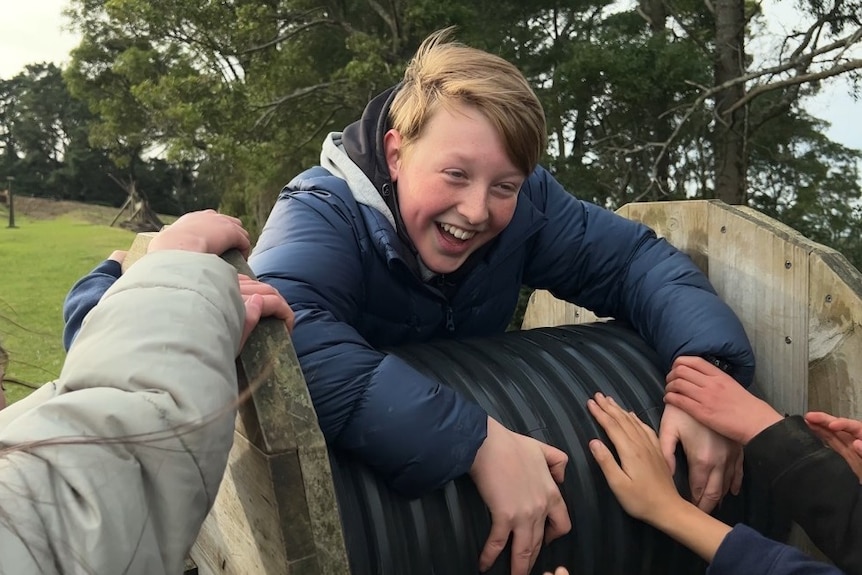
<point x="729" y="133"/>
<point x="655" y="13"/>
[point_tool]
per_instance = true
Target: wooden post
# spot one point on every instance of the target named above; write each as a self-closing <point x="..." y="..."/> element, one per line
<point x="276" y="510"/>
<point x="11" y="199"/>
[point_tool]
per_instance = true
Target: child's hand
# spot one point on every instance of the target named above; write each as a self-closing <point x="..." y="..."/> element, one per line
<point x="716" y="400"/>
<point x="843" y="435"/>
<point x="118" y="256"/>
<point x="558" y="571"/>
<point x="641" y="481"/>
<point x="517" y="477"/>
<point x="262" y="300"/>
<point x="714" y="461"/>
<point x="204" y="232"/>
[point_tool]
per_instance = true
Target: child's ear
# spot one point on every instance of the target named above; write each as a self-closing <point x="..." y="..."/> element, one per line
<point x="392" y="150"/>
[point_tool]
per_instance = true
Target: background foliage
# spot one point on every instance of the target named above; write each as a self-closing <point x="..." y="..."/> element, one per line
<point x="220" y="103"/>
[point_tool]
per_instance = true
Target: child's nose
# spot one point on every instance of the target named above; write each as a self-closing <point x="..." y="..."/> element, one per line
<point x="474" y="206"/>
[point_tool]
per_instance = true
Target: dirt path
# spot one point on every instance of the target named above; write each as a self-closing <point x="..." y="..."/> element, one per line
<point x="47" y="209"/>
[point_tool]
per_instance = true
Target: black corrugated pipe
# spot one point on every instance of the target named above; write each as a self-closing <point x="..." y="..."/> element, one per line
<point x="536" y="382"/>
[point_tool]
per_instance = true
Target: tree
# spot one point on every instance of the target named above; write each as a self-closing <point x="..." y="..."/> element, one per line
<point x="654" y="101"/>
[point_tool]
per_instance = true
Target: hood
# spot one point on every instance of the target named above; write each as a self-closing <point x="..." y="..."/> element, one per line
<point x="357" y="156"/>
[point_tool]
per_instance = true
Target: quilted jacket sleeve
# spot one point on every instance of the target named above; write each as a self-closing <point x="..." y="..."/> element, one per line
<point x="744" y="550"/>
<point x="616" y="267"/>
<point x="84" y="296"/>
<point x="415" y="432"/>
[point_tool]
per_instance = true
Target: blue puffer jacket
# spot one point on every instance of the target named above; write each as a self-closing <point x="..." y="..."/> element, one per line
<point x="355" y="289"/>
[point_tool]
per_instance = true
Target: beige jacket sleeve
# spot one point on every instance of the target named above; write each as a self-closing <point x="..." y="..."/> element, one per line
<point x="112" y="468"/>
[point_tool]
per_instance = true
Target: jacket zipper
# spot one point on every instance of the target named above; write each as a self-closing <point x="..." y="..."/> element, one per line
<point x="450" y="319"/>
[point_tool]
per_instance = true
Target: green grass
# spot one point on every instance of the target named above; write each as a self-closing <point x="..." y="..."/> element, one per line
<point x="39" y="262"/>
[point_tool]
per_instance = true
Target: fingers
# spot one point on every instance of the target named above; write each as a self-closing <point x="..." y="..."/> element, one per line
<point x="618" y="424"/>
<point x="616" y="477"/>
<point x="650" y="432"/>
<point x="850" y="426"/>
<point x="494" y="545"/>
<point x="204" y="231"/>
<point x="682" y="385"/>
<point x="698" y="479"/>
<point x="712" y="491"/>
<point x="253" y="310"/>
<point x="273" y="304"/>
<point x="668" y="440"/>
<point x="526" y="543"/>
<point x="558" y="522"/>
<point x="693" y="367"/>
<point x="819" y="418"/>
<point x="557" y="461"/>
<point x="736" y="478"/>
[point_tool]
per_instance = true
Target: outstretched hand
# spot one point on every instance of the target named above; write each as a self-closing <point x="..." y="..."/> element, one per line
<point x="641" y="481"/>
<point x="644" y="485"/>
<point x="841" y="434"/>
<point x="205" y="232"/>
<point x="517" y="477"/>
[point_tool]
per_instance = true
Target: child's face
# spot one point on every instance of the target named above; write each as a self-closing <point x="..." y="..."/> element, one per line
<point x="457" y="188"/>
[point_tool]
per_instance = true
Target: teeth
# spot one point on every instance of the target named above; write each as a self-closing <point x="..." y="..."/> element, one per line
<point x="457" y="232"/>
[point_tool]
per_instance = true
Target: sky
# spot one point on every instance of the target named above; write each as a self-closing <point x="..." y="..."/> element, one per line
<point x="33" y="31"/>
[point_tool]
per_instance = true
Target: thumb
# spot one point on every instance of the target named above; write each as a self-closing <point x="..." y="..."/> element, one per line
<point x="612" y="471"/>
<point x="253" y="311"/>
<point x="667" y="442"/>
<point x="556" y="461"/>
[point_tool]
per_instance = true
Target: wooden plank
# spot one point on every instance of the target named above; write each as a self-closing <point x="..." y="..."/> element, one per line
<point x="683" y="224"/>
<point x="763" y="277"/>
<point x="835" y="335"/>
<point x="242" y="533"/>
<point x="138" y="249"/>
<point x="544" y="310"/>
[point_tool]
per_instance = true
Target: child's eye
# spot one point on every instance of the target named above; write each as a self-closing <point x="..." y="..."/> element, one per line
<point x="457" y="174"/>
<point x="507" y="188"/>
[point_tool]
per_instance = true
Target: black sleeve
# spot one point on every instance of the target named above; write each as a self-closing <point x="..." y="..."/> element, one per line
<point x="815" y="484"/>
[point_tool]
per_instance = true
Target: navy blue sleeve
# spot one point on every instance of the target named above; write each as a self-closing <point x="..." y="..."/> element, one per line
<point x="617" y="267"/>
<point x="84" y="296"/>
<point x="744" y="550"/>
<point x="413" y="431"/>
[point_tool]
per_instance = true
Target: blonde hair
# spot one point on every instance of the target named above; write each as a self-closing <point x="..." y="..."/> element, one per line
<point x="445" y="73"/>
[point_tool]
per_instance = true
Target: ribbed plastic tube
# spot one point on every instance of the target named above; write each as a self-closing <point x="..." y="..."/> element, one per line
<point x="535" y="382"/>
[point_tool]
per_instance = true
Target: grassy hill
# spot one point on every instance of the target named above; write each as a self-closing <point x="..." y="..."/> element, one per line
<point x="53" y="245"/>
